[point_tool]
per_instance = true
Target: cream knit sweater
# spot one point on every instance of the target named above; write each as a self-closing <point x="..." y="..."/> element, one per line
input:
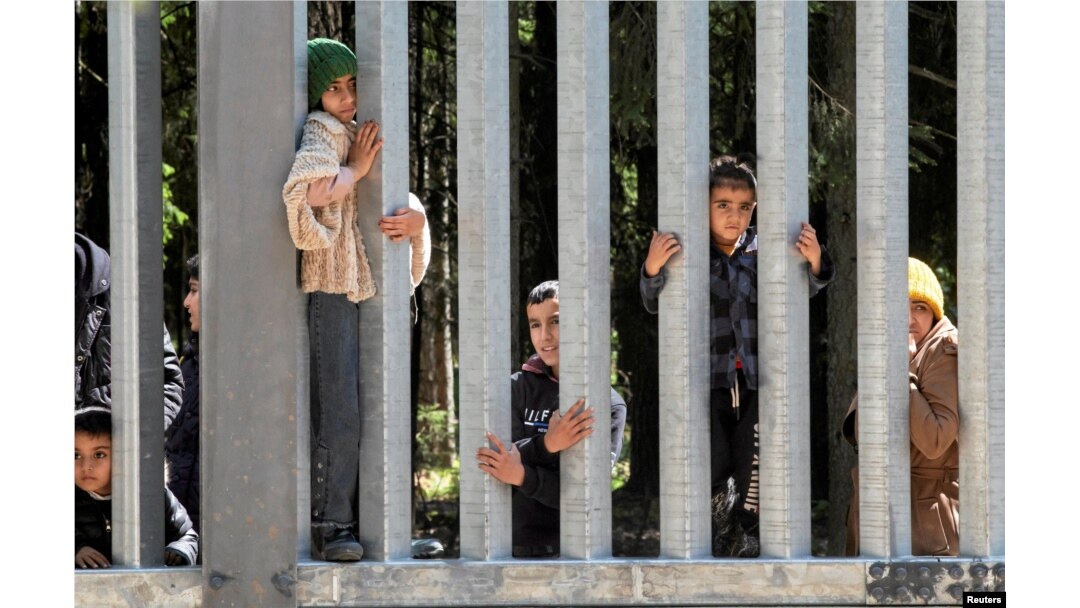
<point x="334" y="258"/>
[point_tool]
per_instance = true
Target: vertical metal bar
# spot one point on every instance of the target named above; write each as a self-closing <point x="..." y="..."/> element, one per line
<point x="881" y="151"/>
<point x="136" y="292"/>
<point x="385" y="413"/>
<point x="683" y="152"/>
<point x="483" y="268"/>
<point x="784" y="318"/>
<point x="303" y="339"/>
<point x="250" y="304"/>
<point x="980" y="182"/>
<point x="584" y="289"/>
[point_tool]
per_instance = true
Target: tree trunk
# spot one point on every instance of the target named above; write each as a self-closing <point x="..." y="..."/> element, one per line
<point x="332" y="19"/>
<point x="638" y="349"/>
<point x="840" y="297"/>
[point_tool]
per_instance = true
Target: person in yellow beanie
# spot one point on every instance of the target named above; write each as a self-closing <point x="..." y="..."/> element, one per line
<point x="934" y="423"/>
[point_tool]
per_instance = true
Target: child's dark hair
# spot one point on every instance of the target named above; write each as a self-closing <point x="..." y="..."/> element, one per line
<point x="733" y="172"/>
<point x="193" y="266"/>
<point x="544" y="291"/>
<point x="94" y="422"/>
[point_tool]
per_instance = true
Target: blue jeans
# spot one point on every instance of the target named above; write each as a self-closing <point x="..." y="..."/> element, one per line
<point x="333" y="326"/>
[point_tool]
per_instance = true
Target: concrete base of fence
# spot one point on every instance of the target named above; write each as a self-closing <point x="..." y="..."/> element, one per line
<point x="615" y="582"/>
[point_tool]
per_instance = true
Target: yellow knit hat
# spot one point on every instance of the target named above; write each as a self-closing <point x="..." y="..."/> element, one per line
<point x="923" y="285"/>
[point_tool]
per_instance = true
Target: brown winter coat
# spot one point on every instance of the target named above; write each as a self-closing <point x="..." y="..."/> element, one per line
<point x="935" y="452"/>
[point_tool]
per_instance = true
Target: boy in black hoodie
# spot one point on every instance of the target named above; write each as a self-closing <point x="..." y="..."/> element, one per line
<point x="539" y="432"/>
<point x="93" y="499"/>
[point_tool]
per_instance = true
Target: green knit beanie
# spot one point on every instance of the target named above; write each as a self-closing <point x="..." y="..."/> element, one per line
<point x="327" y="60"/>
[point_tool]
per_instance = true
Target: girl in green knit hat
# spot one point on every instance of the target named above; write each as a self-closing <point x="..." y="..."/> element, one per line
<point x="321" y="207"/>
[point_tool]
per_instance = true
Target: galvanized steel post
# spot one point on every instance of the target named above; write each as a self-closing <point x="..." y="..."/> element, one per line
<point x="980" y="182"/>
<point x="783" y="311"/>
<point x="683" y="184"/>
<point x="303" y="338"/>
<point x="483" y="91"/>
<point x="247" y="51"/>
<point x="881" y="144"/>
<point x="136" y="292"/>
<point x="385" y="412"/>
<point x="584" y="288"/>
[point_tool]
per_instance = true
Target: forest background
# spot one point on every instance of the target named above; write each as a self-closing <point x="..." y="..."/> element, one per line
<point x="533" y="207"/>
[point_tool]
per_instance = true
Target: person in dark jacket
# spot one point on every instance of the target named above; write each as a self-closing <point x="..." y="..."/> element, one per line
<point x="93" y="494"/>
<point x="93" y="348"/>
<point x="182" y="438"/>
<point x="93" y="358"/>
<point x="539" y="432"/>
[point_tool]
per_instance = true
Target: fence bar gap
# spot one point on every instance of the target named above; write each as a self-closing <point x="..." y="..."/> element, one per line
<point x="137" y="291"/>
<point x="584" y="257"/>
<point x="385" y="412"/>
<point x="980" y="182"/>
<point x="683" y="152"/>
<point x="784" y="326"/>
<point x="248" y="385"/>
<point x="881" y="149"/>
<point x="483" y="268"/>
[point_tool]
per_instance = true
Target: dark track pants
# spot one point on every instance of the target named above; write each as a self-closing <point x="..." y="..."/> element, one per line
<point x="734" y="443"/>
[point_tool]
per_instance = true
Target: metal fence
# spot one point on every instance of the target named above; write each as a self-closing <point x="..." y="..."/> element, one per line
<point x="252" y="101"/>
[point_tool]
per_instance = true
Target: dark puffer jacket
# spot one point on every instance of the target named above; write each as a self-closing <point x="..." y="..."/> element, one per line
<point x="93" y="526"/>
<point x="93" y="359"/>
<point x="182" y="438"/>
<point x="93" y="325"/>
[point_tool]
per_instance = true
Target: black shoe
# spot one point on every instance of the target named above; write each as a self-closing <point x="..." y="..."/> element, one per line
<point x="748" y="545"/>
<point x="427" y="548"/>
<point x="337" y="546"/>
<point x="725" y="527"/>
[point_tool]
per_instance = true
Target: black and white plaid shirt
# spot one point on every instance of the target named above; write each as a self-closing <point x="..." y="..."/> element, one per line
<point x="732" y="307"/>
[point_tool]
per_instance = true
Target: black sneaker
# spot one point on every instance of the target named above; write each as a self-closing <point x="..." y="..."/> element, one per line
<point x="427" y="548"/>
<point x="337" y="546"/>
<point x="748" y="544"/>
<point x="725" y="527"/>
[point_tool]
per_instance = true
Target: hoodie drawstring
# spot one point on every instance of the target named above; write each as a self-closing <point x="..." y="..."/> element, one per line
<point x="735" y="399"/>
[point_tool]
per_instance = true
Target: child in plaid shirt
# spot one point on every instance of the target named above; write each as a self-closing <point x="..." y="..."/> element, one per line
<point x="733" y="327"/>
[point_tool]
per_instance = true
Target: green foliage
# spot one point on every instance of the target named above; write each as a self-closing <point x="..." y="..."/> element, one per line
<point x="179" y="154"/>
<point x="438" y="483"/>
<point x="923" y="135"/>
<point x="437" y="468"/>
<point x="632" y="77"/>
<point x="526" y="29"/>
<point x="620" y="474"/>
<point x="434" y="435"/>
<point x="171" y="215"/>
